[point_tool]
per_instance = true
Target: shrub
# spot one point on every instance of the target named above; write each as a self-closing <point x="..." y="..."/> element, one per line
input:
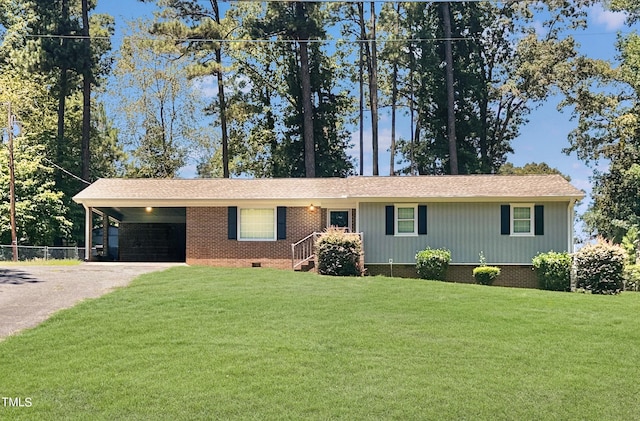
<point x="433" y="263"/>
<point x="599" y="268"/>
<point x="553" y="271"/>
<point x="338" y="253"/>
<point x="485" y="275"/>
<point x="630" y="244"/>
<point x="632" y="277"/>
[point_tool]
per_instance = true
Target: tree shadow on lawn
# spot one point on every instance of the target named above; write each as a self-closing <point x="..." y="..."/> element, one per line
<point x="16" y="277"/>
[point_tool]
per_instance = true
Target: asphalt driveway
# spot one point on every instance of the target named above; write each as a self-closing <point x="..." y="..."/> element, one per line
<point x="30" y="294"/>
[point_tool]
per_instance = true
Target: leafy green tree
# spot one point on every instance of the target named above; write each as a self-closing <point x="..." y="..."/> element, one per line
<point x="199" y="27"/>
<point x="605" y="103"/>
<point x="502" y="68"/>
<point x="297" y="23"/>
<point x="55" y="63"/>
<point x="631" y="244"/>
<point x="41" y="214"/>
<point x="615" y="206"/>
<point x="530" y="168"/>
<point x="157" y="104"/>
<point x="631" y="7"/>
<point x="275" y="100"/>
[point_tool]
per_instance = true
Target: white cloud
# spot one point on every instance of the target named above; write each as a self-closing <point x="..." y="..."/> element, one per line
<point x="206" y="85"/>
<point x="612" y="21"/>
<point x="189" y="171"/>
<point x="540" y="29"/>
<point x="582" y="184"/>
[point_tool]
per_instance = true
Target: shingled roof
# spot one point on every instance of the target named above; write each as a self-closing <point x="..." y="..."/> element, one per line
<point x="459" y="187"/>
<point x="463" y="186"/>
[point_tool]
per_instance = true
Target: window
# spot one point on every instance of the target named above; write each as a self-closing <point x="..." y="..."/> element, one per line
<point x="339" y="218"/>
<point x="406" y="220"/>
<point x="522" y="219"/>
<point x="257" y="224"/>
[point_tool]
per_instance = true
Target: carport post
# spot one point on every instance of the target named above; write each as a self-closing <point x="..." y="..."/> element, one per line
<point x="105" y="236"/>
<point x="88" y="232"/>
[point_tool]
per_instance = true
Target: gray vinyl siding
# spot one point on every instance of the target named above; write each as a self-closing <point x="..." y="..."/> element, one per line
<point x="465" y="229"/>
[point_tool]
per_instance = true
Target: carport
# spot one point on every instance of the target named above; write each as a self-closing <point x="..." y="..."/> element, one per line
<point x="149" y="234"/>
<point x="150" y="228"/>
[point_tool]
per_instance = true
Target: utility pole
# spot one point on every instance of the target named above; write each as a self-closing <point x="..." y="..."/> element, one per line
<point x="12" y="184"/>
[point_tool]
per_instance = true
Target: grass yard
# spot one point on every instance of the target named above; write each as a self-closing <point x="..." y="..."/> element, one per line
<point x="201" y="343"/>
<point x="41" y="262"/>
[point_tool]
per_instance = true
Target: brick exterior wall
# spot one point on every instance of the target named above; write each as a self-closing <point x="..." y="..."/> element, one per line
<point x="208" y="243"/>
<point x="519" y="276"/>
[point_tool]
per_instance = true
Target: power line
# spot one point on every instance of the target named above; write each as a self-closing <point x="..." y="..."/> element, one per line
<point x="255" y="40"/>
<point x="66" y="171"/>
<point x="285" y="41"/>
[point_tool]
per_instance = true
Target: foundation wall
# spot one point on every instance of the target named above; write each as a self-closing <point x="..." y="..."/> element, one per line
<point x="519" y="276"/>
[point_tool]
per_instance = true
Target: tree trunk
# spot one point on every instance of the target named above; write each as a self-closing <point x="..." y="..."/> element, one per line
<point x="394" y="100"/>
<point x="363" y="36"/>
<point x="221" y="99"/>
<point x="307" y="109"/>
<point x="62" y="100"/>
<point x="307" y="105"/>
<point x="416" y="139"/>
<point x="373" y="89"/>
<point x="451" y="113"/>
<point x="414" y="125"/>
<point x="223" y="116"/>
<point x="62" y="94"/>
<point x="86" y="93"/>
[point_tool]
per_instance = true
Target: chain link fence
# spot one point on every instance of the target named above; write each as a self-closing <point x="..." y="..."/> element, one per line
<point x="41" y="252"/>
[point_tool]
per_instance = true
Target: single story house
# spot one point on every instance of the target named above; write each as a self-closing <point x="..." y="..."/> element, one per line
<point x="270" y="222"/>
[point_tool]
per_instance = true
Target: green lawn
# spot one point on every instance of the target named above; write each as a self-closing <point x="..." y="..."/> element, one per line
<point x="202" y="343"/>
<point x="41" y="262"/>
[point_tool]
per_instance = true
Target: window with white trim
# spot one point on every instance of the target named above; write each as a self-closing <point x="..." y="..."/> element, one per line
<point x="257" y="224"/>
<point x="406" y="220"/>
<point x="522" y="221"/>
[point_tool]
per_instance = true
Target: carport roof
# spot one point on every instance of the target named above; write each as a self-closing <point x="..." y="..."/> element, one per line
<point x="183" y="192"/>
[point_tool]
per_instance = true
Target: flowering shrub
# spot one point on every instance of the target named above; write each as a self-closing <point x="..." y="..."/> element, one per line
<point x="338" y="253"/>
<point x="553" y="271"/>
<point x="433" y="263"/>
<point x="632" y="277"/>
<point x="600" y="268"/>
<point x="485" y="275"/>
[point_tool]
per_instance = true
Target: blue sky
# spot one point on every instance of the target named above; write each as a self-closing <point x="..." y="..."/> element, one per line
<point x="541" y="140"/>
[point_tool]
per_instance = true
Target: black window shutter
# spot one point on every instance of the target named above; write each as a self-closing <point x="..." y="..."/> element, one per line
<point x="422" y="219"/>
<point x="538" y="212"/>
<point x="389" y="222"/>
<point x="282" y="222"/>
<point x="232" y="222"/>
<point x="505" y="219"/>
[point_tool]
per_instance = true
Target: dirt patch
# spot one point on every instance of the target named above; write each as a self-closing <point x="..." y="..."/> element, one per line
<point x="31" y="294"/>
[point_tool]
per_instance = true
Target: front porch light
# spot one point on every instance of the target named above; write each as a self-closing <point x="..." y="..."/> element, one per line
<point x="148" y="209"/>
<point x="312" y="208"/>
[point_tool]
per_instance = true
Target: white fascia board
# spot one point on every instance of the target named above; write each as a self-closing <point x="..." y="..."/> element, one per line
<point x="474" y="199"/>
<point x="181" y="203"/>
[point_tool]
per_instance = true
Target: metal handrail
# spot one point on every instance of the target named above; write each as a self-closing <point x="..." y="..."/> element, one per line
<point x="305" y="250"/>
